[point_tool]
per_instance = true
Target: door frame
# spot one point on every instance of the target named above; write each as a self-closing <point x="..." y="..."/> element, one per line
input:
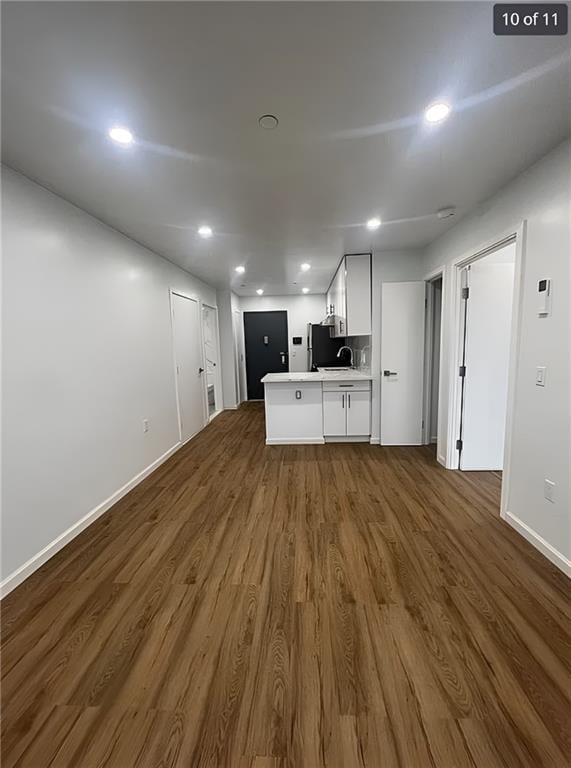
<point x="429" y="279"/>
<point x="453" y="313"/>
<point x="173" y="291"/>
<point x="218" y="383"/>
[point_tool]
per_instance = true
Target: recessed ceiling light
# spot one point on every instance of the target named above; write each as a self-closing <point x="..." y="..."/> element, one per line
<point x="305" y="267"/>
<point x="240" y="270"/>
<point x="437" y="112"/>
<point x="305" y="290"/>
<point x="374" y="223"/>
<point x="268" y="122"/>
<point x="205" y="231"/>
<point x="260" y="291"/>
<point x="121" y="135"/>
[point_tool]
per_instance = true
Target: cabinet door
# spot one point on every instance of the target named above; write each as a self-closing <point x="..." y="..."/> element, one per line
<point x="358" y="413"/>
<point x="338" y="297"/>
<point x="334" y="410"/>
<point x="342" y="301"/>
<point x="358" y="295"/>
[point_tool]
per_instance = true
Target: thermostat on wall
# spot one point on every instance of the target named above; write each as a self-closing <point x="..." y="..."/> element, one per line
<point x="544" y="295"/>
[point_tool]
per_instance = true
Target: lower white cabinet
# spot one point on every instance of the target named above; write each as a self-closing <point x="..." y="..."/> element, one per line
<point x="334" y="414"/>
<point x="346" y="410"/>
<point x="359" y="413"/>
<point x="294" y="413"/>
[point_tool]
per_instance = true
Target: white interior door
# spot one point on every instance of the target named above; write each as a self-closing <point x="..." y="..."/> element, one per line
<point x="402" y="362"/>
<point x="189" y="366"/>
<point x="211" y="377"/>
<point x="487" y="349"/>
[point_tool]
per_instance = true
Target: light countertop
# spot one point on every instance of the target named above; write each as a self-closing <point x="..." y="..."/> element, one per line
<point x="320" y="375"/>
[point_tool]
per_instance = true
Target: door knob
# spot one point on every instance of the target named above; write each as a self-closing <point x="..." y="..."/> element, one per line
<point x="390" y="373"/>
<point x="201" y="370"/>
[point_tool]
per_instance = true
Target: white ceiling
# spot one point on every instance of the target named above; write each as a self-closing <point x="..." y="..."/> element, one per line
<point x="348" y="81"/>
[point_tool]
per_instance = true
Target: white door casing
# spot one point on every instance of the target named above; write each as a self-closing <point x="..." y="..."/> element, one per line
<point x="402" y="355"/>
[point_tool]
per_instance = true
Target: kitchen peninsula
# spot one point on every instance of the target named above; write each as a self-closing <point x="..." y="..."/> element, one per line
<point x="318" y="407"/>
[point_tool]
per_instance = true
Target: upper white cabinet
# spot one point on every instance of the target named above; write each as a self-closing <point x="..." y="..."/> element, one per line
<point x="358" y="294"/>
<point x="349" y="296"/>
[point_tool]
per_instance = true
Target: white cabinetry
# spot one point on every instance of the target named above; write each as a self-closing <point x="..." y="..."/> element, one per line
<point x="358" y="295"/>
<point x="346" y="409"/>
<point x="334" y="414"/>
<point x="359" y="412"/>
<point x="294" y="412"/>
<point x="349" y="296"/>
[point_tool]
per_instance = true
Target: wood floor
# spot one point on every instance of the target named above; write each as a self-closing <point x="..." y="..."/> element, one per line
<point x="257" y="607"/>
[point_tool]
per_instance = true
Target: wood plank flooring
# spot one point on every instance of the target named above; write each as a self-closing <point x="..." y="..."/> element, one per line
<point x="307" y="606"/>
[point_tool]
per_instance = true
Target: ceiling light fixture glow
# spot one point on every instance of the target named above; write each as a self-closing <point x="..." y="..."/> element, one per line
<point x="305" y="267"/>
<point x="437" y="112"/>
<point x="205" y="231"/>
<point x="260" y="291"/>
<point x="305" y="290"/>
<point x="121" y="135"/>
<point x="240" y="270"/>
<point x="373" y="223"/>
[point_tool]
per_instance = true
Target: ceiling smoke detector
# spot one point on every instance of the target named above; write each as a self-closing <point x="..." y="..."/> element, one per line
<point x="268" y="122"/>
<point x="446" y="213"/>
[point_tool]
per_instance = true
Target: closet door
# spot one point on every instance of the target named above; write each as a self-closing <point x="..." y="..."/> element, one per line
<point x="189" y="366"/>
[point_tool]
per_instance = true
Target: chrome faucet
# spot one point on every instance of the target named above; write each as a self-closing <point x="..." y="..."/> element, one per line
<point x="350" y="355"/>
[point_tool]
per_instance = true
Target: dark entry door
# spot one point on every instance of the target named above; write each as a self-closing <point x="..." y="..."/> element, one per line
<point x="265" y="336"/>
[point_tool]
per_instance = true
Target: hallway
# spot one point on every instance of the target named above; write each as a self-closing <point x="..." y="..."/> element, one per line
<point x="251" y="606"/>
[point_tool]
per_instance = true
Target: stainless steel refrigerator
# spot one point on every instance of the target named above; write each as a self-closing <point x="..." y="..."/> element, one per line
<point x="321" y="348"/>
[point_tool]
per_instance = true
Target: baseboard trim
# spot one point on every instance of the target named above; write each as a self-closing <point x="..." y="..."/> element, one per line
<point x="295" y="441"/>
<point x="35" y="562"/>
<point x="441" y="459"/>
<point x="231" y="407"/>
<point x="347" y="439"/>
<point x="539" y="543"/>
<point x="375" y="440"/>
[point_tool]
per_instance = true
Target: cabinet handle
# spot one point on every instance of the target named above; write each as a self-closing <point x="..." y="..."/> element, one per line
<point x="343" y="399"/>
<point x="349" y="401"/>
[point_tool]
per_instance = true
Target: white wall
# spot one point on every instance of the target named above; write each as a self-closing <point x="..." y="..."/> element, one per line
<point x="229" y="394"/>
<point x="301" y="310"/>
<point x="87" y="356"/>
<point x="389" y="267"/>
<point x="542" y="420"/>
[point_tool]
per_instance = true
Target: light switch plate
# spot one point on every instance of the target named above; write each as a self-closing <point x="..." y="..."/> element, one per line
<point x="540" y="374"/>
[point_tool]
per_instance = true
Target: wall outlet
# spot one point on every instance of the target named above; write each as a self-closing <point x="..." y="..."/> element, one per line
<point x="145" y="425"/>
<point x="549" y="490"/>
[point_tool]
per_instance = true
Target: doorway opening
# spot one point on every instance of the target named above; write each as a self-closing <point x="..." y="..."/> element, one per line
<point x="212" y="378"/>
<point x="432" y="358"/>
<point x="266" y="344"/>
<point x="487" y="286"/>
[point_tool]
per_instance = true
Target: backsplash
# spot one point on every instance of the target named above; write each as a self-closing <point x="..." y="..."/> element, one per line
<point x="361" y="346"/>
